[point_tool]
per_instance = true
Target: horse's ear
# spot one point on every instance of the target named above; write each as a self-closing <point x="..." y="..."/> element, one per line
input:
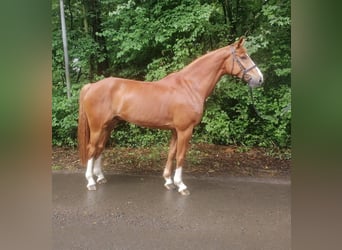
<point x="240" y="42"/>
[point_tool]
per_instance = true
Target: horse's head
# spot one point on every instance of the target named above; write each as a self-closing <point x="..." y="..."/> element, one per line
<point x="241" y="65"/>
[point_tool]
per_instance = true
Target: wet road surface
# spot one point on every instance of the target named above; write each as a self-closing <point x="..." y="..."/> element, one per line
<point x="137" y="212"/>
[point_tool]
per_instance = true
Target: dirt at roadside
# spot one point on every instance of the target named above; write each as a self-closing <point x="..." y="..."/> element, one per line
<point x="202" y="160"/>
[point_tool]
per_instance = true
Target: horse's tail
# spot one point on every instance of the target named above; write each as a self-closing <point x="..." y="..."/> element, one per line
<point x="83" y="132"/>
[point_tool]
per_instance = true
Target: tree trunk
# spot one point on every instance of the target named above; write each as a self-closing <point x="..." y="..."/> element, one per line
<point x="230" y="17"/>
<point x="65" y="49"/>
<point x="94" y="15"/>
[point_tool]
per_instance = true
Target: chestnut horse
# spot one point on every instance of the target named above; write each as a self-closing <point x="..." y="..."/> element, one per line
<point x="175" y="102"/>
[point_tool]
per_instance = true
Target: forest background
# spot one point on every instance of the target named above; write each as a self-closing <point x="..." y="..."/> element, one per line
<point x="146" y="40"/>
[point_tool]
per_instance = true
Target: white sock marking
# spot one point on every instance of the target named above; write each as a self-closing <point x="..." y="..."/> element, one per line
<point x="97" y="168"/>
<point x="89" y="172"/>
<point x="168" y="181"/>
<point x="178" y="179"/>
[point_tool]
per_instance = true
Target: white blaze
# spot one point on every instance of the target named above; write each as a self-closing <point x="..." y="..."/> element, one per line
<point x="260" y="74"/>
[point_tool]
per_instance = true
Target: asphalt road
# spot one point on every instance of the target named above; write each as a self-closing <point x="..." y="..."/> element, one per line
<point x="137" y="212"/>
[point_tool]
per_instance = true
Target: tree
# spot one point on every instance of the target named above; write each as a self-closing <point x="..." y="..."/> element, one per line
<point x="65" y="48"/>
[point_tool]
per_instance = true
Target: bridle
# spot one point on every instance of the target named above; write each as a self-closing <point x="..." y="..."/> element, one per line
<point x="242" y="67"/>
<point x="244" y="72"/>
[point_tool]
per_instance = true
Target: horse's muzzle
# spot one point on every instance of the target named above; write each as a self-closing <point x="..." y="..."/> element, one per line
<point x="254" y="82"/>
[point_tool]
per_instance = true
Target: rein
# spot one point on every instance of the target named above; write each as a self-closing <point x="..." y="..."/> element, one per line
<point x="244" y="72"/>
<point x="263" y="117"/>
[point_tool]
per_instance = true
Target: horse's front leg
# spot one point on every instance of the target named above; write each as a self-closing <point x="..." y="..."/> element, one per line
<point x="168" y="166"/>
<point x="183" y="138"/>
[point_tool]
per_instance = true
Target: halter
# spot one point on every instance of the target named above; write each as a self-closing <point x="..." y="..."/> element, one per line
<point x="244" y="72"/>
<point x="243" y="69"/>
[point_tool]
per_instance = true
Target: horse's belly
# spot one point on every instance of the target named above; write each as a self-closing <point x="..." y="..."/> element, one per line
<point x="151" y="116"/>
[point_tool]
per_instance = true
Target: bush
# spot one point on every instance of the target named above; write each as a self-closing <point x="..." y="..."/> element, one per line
<point x="130" y="135"/>
<point x="64" y="116"/>
<point x="231" y="117"/>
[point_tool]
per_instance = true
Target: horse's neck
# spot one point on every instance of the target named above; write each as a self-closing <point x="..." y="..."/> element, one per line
<point x="206" y="71"/>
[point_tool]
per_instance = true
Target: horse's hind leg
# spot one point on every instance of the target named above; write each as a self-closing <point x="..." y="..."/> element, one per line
<point x="96" y="146"/>
<point x="98" y="171"/>
<point x="89" y="175"/>
<point x="94" y="167"/>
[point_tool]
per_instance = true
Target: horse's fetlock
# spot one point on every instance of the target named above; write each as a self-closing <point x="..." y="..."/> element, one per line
<point x="88" y="175"/>
<point x="166" y="173"/>
<point x="177" y="181"/>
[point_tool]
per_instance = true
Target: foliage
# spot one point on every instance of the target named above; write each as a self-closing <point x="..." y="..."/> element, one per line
<point x="64" y="116"/>
<point x="130" y="135"/>
<point x="231" y="117"/>
<point x="159" y="34"/>
<point x="147" y="40"/>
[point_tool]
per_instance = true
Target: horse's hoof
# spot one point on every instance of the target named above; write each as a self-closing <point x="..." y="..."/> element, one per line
<point x="170" y="186"/>
<point x="91" y="187"/>
<point x="185" y="192"/>
<point x="101" y="181"/>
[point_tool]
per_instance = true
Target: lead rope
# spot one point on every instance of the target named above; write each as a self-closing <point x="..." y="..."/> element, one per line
<point x="263" y="117"/>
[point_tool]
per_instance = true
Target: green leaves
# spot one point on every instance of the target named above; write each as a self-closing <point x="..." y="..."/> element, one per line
<point x="142" y="34"/>
<point x="230" y="116"/>
<point x="64" y="119"/>
<point x="217" y="126"/>
<point x="276" y="15"/>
